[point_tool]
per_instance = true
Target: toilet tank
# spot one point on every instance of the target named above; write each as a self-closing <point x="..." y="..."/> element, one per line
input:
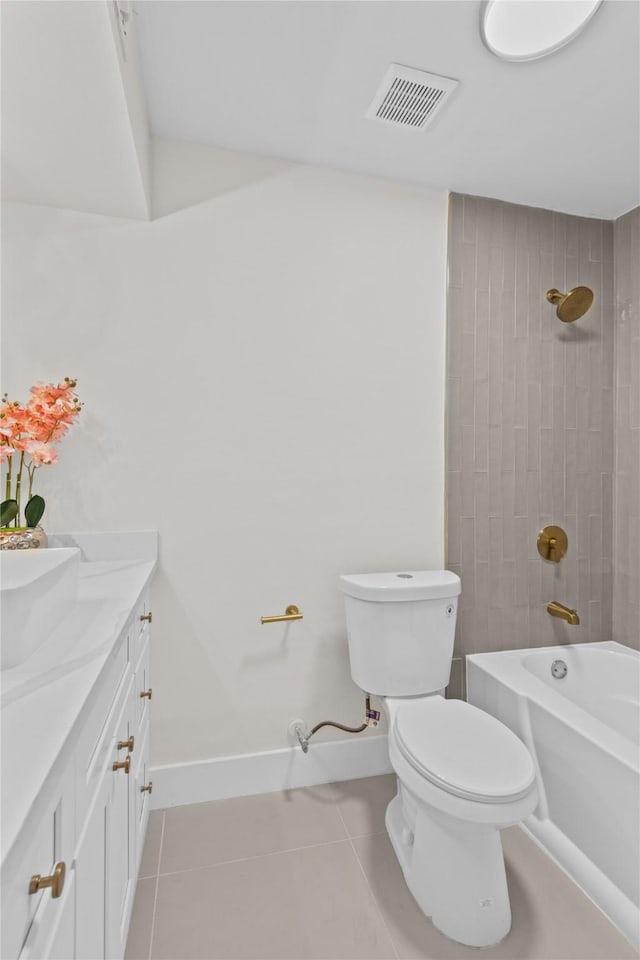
<point x="400" y="628"/>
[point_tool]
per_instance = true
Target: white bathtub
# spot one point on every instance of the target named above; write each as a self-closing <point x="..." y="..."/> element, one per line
<point x="583" y="731"/>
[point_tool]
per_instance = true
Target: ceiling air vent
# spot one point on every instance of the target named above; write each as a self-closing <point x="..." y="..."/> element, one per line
<point x="410" y="98"/>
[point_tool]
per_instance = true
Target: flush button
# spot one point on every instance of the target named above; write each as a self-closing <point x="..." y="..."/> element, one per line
<point x="405" y="576"/>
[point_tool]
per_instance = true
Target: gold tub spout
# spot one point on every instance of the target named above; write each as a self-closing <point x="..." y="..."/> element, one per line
<point x="564" y="613"/>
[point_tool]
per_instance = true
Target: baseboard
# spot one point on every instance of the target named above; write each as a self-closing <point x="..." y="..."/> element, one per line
<point x="274" y="770"/>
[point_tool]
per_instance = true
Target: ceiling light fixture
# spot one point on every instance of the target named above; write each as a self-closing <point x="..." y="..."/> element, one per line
<point x="530" y="29"/>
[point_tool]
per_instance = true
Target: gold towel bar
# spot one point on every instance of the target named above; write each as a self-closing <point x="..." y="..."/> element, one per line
<point x="291" y="613"/>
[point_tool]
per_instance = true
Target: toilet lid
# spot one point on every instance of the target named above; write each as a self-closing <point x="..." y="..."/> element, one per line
<point x="463" y="750"/>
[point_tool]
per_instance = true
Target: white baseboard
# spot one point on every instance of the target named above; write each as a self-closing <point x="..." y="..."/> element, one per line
<point x="246" y="774"/>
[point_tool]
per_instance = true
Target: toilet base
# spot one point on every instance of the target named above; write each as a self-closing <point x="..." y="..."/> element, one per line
<point x="454" y="869"/>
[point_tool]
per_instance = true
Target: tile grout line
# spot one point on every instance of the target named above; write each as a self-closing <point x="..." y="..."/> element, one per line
<point x="258" y="856"/>
<point x="366" y="880"/>
<point x="155" y="895"/>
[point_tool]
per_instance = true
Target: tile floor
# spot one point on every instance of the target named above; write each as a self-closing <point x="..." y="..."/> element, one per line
<point x="311" y="874"/>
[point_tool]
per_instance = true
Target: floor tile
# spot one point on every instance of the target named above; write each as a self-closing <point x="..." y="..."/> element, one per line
<point x="551" y="912"/>
<point x="362" y="803"/>
<point x="203" y="834"/>
<point x="151" y="852"/>
<point x="311" y="903"/>
<point x="139" y="940"/>
<point x="551" y="918"/>
<point x="275" y="877"/>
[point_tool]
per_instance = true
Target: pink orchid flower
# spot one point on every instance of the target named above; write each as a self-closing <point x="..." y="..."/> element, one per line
<point x="32" y="431"/>
<point x="41" y="454"/>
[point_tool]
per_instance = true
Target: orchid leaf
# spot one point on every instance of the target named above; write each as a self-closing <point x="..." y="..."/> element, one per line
<point x="8" y="512"/>
<point x="34" y="510"/>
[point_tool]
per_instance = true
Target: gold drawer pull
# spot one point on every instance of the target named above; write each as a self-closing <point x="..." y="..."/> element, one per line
<point x="146" y="693"/>
<point x="148" y="788"/>
<point x="122" y="764"/>
<point x="291" y="613"/>
<point x="126" y="744"/>
<point x="147" y="616"/>
<point x="55" y="881"/>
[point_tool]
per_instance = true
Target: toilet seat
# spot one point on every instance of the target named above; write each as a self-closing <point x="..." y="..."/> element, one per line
<point x="462" y="750"/>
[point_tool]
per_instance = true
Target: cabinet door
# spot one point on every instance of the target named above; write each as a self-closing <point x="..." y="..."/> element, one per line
<point x="141" y="782"/>
<point x="47" y="840"/>
<point x="141" y="791"/>
<point x="120" y="865"/>
<point x="51" y="936"/>
<point x="91" y="871"/>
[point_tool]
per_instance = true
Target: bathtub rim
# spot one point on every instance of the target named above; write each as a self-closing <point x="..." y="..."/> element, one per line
<point x="601" y="891"/>
<point x="507" y="668"/>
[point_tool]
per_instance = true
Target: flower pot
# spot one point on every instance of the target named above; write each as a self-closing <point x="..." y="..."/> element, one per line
<point x="22" y="538"/>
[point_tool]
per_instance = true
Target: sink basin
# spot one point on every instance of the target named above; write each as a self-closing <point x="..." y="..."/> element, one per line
<point x="37" y="590"/>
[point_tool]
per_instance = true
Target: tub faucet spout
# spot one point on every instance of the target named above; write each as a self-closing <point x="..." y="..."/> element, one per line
<point x="564" y="613"/>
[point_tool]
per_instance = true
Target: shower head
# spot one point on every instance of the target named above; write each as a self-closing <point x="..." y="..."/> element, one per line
<point x="572" y="305"/>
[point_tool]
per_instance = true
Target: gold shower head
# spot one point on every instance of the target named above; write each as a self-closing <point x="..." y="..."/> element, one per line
<point x="572" y="305"/>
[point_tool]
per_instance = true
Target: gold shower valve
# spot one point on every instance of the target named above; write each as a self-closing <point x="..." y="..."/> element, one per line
<point x="552" y="543"/>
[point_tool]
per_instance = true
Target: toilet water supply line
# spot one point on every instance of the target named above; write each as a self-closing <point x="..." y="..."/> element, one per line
<point x="371" y="718"/>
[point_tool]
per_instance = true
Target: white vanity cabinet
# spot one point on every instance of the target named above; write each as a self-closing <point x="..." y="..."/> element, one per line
<point x="91" y="815"/>
<point x="105" y="870"/>
<point x="34" y="924"/>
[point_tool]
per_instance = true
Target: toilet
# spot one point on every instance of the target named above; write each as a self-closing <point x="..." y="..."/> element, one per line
<point x="462" y="775"/>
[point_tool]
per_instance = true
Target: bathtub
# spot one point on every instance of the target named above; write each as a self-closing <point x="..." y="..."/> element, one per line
<point x="583" y="731"/>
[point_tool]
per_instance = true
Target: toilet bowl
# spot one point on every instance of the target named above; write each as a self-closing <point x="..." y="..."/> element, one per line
<point x="462" y="775"/>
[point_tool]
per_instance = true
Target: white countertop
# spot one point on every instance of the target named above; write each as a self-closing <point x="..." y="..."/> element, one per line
<point x="43" y="700"/>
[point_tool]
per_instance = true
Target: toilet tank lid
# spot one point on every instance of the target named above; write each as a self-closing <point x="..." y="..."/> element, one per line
<point x="401" y="585"/>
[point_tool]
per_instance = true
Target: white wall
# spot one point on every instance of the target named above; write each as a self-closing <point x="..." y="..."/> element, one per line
<point x="74" y="124"/>
<point x="263" y="377"/>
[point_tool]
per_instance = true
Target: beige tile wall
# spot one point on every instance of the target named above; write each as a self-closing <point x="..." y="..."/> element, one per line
<point x="530" y="423"/>
<point x="626" y="582"/>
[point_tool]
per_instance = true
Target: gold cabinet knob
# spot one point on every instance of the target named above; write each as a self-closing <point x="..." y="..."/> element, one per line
<point x="147" y="616"/>
<point x="123" y="764"/>
<point x="146" y="693"/>
<point x="148" y="788"/>
<point x="55" y="881"/>
<point x="126" y="744"/>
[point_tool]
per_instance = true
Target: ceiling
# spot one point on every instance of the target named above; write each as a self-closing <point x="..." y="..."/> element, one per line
<point x="294" y="80"/>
